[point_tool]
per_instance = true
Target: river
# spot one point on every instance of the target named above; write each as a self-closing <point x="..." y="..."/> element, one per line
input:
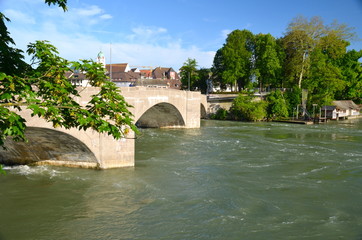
<point x="226" y="180"/>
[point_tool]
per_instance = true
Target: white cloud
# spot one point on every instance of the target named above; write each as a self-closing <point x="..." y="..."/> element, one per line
<point x="148" y="34"/>
<point x="73" y="35"/>
<point x="89" y="11"/>
<point x="152" y="55"/>
<point x="19" y="16"/>
<point x="106" y="16"/>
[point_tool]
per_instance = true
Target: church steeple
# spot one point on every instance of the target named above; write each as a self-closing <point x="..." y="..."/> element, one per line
<point x="101" y="59"/>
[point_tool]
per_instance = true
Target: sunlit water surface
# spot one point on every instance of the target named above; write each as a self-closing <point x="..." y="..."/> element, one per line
<point x="226" y="180"/>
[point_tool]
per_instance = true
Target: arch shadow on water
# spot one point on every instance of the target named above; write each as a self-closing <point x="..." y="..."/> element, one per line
<point x="46" y="144"/>
<point x="161" y="115"/>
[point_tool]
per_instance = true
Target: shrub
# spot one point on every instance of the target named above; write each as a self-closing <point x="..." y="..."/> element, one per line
<point x="277" y="107"/>
<point x="221" y="114"/>
<point x="293" y="98"/>
<point x="244" y="108"/>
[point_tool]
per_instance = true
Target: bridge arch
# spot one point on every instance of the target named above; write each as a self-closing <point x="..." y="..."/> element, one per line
<point x="203" y="112"/>
<point x="183" y="109"/>
<point x="47" y="145"/>
<point x="161" y="115"/>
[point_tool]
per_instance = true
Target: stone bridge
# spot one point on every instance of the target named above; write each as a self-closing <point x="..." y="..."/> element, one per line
<point x="152" y="107"/>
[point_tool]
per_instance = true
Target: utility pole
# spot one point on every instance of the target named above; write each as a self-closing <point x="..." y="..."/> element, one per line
<point x="110" y="59"/>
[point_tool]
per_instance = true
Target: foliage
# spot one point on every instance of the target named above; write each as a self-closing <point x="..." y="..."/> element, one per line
<point x="221" y="114"/>
<point x="293" y="98"/>
<point x="60" y="3"/>
<point x="217" y="69"/>
<point x="267" y="61"/>
<point x="311" y="55"/>
<point x="2" y="171"/>
<point x="203" y="75"/>
<point x="351" y="69"/>
<point x="244" y="108"/>
<point x="189" y="75"/>
<point x="11" y="59"/>
<point x="43" y="88"/>
<point x="232" y="63"/>
<point x="325" y="79"/>
<point x="303" y="37"/>
<point x="277" y="107"/>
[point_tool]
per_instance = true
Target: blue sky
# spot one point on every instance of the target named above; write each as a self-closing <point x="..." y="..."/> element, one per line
<point x="162" y="33"/>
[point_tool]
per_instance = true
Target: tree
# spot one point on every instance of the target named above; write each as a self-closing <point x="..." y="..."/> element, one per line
<point x="11" y="59"/>
<point x="203" y="75"/>
<point x="303" y="36"/>
<point x="267" y="61"/>
<point x="233" y="62"/>
<point x="351" y="69"/>
<point x="297" y="45"/>
<point x="43" y="88"/>
<point x="188" y="74"/>
<point x="326" y="78"/>
<point x="218" y="68"/>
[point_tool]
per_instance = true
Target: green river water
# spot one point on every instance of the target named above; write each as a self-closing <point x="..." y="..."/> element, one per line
<point x="226" y="180"/>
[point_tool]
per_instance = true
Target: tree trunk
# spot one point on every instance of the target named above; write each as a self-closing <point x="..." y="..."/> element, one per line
<point x="302" y="71"/>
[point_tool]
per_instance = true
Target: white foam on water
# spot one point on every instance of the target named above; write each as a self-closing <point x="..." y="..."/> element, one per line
<point x="42" y="171"/>
<point x="33" y="170"/>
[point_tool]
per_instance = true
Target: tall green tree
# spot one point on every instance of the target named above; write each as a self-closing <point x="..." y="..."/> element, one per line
<point x="189" y="74"/>
<point x="267" y="61"/>
<point x="218" y="68"/>
<point x="303" y="36"/>
<point x="298" y="47"/>
<point x="11" y="58"/>
<point x="233" y="62"/>
<point x="351" y="68"/>
<point x="326" y="77"/>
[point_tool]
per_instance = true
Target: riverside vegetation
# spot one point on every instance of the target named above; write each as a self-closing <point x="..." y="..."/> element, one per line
<point x="311" y="55"/>
<point x="277" y="106"/>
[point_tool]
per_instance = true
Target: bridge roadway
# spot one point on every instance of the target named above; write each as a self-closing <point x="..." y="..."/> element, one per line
<point x="152" y="107"/>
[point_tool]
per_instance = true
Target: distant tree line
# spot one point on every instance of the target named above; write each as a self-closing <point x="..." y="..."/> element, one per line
<point x="311" y="55"/>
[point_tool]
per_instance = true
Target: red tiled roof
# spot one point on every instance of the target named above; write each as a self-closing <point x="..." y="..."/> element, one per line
<point x="117" y="67"/>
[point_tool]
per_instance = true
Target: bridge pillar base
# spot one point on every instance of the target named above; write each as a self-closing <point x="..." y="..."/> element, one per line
<point x="116" y="153"/>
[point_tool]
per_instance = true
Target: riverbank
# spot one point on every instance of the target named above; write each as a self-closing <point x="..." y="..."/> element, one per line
<point x="306" y="122"/>
<point x="295" y="122"/>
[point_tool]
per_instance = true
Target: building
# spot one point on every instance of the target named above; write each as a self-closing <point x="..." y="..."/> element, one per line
<point x="340" y="110"/>
<point x="77" y="78"/>
<point x="122" y="75"/>
<point x="101" y="59"/>
<point x="125" y="76"/>
<point x="168" y="75"/>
